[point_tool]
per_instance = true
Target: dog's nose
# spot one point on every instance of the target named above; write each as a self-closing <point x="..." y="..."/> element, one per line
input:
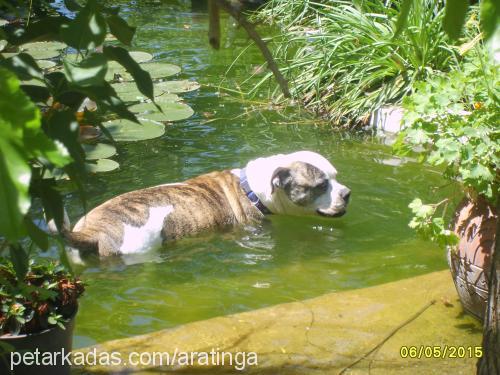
<point x="345" y="194"/>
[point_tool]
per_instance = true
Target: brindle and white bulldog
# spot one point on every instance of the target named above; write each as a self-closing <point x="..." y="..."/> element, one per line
<point x="301" y="183"/>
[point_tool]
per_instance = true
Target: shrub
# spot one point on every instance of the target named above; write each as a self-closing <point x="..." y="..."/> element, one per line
<point x="452" y="120"/>
<point x="344" y="58"/>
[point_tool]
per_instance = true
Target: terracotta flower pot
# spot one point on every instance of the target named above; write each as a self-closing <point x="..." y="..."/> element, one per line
<point x="470" y="259"/>
<point x="53" y="340"/>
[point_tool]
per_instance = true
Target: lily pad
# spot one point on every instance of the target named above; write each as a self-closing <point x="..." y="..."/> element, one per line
<point x="128" y="131"/>
<point x="140" y="57"/>
<point x="128" y="92"/>
<point x="46" y="64"/>
<point x="44" y="54"/>
<point x="98" y="151"/>
<point x="166" y="97"/>
<point x="43" y="50"/>
<point x="160" y="70"/>
<point x="7" y="55"/>
<point x="120" y="71"/>
<point x="177" y="86"/>
<point x="102" y="165"/>
<point x="3" y="44"/>
<point x="171" y="111"/>
<point x="43" y="46"/>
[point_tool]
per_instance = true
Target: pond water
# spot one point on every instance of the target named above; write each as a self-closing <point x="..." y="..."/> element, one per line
<point x="286" y="258"/>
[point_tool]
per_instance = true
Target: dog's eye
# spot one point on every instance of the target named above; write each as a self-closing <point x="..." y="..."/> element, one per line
<point x="323" y="185"/>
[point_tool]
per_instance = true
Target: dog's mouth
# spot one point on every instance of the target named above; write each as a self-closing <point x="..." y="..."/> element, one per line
<point x="331" y="214"/>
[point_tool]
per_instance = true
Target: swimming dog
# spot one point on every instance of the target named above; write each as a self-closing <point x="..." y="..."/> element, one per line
<point x="300" y="183"/>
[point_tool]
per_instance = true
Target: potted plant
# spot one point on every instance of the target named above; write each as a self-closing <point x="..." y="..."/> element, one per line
<point x="37" y="313"/>
<point x="453" y="120"/>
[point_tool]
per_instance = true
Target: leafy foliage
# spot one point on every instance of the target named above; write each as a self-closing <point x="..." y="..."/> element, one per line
<point x="452" y="121"/>
<point x="45" y="296"/>
<point x="455" y="15"/>
<point x="346" y="59"/>
<point x="39" y="123"/>
<point x="22" y="140"/>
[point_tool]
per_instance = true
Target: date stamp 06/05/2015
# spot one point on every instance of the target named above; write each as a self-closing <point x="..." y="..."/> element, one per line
<point x="438" y="351"/>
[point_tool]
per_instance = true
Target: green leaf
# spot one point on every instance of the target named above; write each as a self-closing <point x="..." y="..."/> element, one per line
<point x="37" y="94"/>
<point x="87" y="31"/>
<point x="24" y="66"/>
<point x="141" y="77"/>
<point x="63" y="255"/>
<point x="490" y="17"/>
<point x="36" y="234"/>
<point x="17" y="116"/>
<point x="15" y="175"/>
<point x="33" y="82"/>
<point x="46" y="190"/>
<point x="454" y="18"/>
<point x="46" y="149"/>
<point x="107" y="99"/>
<point x="402" y="20"/>
<point x="120" y="28"/>
<point x="88" y="72"/>
<point x="47" y="28"/>
<point x="57" y="84"/>
<point x="62" y="126"/>
<point x="417" y="136"/>
<point x="480" y="172"/>
<point x="72" y="5"/>
<point x="20" y="261"/>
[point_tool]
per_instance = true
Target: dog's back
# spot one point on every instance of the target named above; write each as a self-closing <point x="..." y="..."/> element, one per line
<point x="142" y="219"/>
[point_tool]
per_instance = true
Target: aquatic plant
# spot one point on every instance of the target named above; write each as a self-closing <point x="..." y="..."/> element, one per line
<point x="346" y="59"/>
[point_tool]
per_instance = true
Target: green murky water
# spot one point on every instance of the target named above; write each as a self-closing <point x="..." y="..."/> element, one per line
<point x="286" y="258"/>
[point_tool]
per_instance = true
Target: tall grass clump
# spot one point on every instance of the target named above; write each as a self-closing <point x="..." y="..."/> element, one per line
<point x="344" y="59"/>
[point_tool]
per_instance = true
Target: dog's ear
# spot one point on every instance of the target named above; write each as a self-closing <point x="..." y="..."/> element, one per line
<point x="281" y="177"/>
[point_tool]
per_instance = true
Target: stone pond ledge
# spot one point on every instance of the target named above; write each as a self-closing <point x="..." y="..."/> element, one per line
<point x="323" y="335"/>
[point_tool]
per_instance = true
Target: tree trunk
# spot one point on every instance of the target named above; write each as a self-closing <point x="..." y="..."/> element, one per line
<point x="489" y="364"/>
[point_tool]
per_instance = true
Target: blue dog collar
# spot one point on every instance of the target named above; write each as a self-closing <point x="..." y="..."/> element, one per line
<point x="250" y="194"/>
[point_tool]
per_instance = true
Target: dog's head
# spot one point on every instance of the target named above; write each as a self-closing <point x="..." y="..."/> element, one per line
<point x="302" y="183"/>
